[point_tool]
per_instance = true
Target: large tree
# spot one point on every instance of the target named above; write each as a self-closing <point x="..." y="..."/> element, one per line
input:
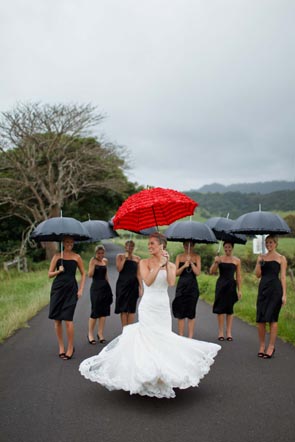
<point x="48" y="158"/>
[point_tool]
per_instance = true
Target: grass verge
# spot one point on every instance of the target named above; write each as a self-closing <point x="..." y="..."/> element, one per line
<point x="245" y="309"/>
<point x="22" y="295"/>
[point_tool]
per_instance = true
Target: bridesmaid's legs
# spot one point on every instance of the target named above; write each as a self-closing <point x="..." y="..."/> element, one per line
<point x="70" y="336"/>
<point x="127" y="318"/>
<point x="59" y="334"/>
<point x="91" y="326"/>
<point x="229" y="323"/>
<point x="273" y="326"/>
<point x="191" y="327"/>
<point x="181" y="324"/>
<point x="101" y="324"/>
<point x="124" y="319"/>
<point x="220" y="320"/>
<point x="130" y="318"/>
<point x="261" y="336"/>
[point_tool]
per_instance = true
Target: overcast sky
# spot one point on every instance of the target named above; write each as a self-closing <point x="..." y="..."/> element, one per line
<point x="199" y="91"/>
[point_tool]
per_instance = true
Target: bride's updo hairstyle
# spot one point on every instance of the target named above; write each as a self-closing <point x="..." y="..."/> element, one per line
<point x="160" y="238"/>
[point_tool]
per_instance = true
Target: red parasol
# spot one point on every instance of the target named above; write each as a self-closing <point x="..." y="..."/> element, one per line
<point x="153" y="207"/>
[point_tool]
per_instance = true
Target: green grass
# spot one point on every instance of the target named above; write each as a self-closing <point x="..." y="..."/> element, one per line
<point x="245" y="309"/>
<point x="22" y="295"/>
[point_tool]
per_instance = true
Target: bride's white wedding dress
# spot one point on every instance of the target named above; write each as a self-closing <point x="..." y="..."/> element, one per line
<point x="148" y="358"/>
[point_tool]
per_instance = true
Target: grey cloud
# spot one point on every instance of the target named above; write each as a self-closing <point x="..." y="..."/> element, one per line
<point x="198" y="91"/>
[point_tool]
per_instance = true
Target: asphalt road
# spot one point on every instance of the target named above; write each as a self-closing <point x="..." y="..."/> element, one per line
<point x="243" y="398"/>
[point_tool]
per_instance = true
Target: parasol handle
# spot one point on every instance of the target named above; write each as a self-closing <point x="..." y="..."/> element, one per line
<point x="61" y="246"/>
<point x="219" y="247"/>
<point x="61" y="252"/>
<point x="263" y="249"/>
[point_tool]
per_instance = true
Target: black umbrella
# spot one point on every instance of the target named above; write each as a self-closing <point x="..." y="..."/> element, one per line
<point x="190" y="231"/>
<point x="221" y="228"/>
<point x="55" y="229"/>
<point x="99" y="230"/>
<point x="260" y="223"/>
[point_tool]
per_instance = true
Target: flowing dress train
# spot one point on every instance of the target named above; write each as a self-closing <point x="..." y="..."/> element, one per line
<point x="148" y="358"/>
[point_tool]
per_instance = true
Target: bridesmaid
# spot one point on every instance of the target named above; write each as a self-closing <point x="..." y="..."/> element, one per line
<point x="188" y="267"/>
<point x="65" y="293"/>
<point x="228" y="289"/>
<point x="100" y="294"/>
<point x="272" y="294"/>
<point x="129" y="284"/>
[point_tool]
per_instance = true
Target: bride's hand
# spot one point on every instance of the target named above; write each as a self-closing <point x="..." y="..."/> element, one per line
<point x="165" y="258"/>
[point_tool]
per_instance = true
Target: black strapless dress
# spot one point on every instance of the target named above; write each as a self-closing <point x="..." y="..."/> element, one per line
<point x="101" y="295"/>
<point x="64" y="289"/>
<point x="127" y="288"/>
<point x="186" y="295"/>
<point x="270" y="292"/>
<point x="226" y="290"/>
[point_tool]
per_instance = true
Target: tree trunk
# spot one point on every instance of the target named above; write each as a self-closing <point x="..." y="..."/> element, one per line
<point x="50" y="249"/>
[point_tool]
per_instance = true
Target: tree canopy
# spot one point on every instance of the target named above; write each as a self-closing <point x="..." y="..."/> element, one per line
<point x="49" y="160"/>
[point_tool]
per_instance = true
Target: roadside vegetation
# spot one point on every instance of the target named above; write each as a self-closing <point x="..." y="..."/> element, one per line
<point x="23" y="295"/>
<point x="246" y="308"/>
<point x="40" y="145"/>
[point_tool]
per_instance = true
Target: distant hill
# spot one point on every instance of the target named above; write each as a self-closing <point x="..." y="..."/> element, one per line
<point x="259" y="187"/>
<point x="238" y="203"/>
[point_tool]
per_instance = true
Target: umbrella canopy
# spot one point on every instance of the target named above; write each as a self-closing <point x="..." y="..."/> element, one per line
<point x="190" y="231"/>
<point x="148" y="231"/>
<point x="221" y="228"/>
<point x="260" y="223"/>
<point x="153" y="207"/>
<point x="55" y="229"/>
<point x="99" y="230"/>
<point x="144" y="232"/>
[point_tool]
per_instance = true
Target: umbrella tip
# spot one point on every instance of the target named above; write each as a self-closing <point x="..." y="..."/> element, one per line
<point x="259" y="207"/>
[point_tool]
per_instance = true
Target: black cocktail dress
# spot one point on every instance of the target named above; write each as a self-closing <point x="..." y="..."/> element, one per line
<point x="127" y="288"/>
<point x="270" y="292"/>
<point x="186" y="295"/>
<point x="64" y="289"/>
<point x="225" y="290"/>
<point x="100" y="293"/>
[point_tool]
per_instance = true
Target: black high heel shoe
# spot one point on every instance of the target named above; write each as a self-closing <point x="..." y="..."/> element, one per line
<point x="67" y="357"/>
<point x="266" y="356"/>
<point x="102" y="341"/>
<point x="92" y="342"/>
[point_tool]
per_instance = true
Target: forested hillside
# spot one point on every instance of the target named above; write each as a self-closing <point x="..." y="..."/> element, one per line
<point x="237" y="203"/>
<point x="259" y="187"/>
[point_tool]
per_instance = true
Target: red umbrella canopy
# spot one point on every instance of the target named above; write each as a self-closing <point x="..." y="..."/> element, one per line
<point x="153" y="207"/>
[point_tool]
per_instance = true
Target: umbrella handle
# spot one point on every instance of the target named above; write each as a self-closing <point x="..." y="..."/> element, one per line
<point x="219" y="247"/>
<point x="263" y="249"/>
<point x="61" y="246"/>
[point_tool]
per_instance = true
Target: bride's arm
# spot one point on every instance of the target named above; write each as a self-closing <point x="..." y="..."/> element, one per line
<point x="171" y="273"/>
<point x="147" y="273"/>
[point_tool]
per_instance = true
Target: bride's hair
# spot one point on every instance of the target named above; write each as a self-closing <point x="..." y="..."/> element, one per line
<point x="160" y="238"/>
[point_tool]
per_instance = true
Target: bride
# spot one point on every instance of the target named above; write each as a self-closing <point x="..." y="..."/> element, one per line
<point x="148" y="358"/>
